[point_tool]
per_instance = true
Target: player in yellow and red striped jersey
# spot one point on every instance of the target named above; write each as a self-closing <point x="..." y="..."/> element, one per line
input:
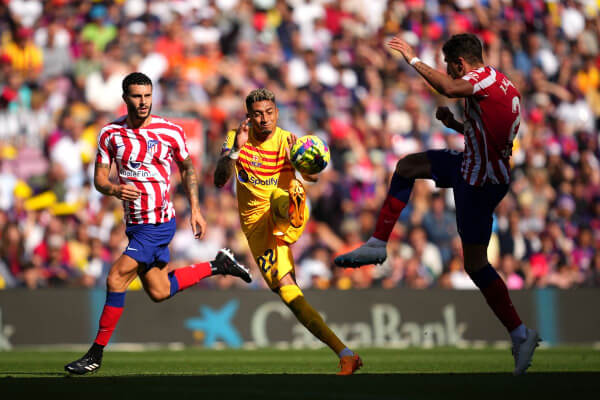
<point x="273" y="211"/>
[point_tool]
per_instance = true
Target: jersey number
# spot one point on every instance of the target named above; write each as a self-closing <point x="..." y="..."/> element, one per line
<point x="266" y="261"/>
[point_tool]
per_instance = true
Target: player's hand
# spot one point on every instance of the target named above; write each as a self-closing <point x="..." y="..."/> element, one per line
<point x="291" y="140"/>
<point x="444" y="115"/>
<point x="127" y="192"/>
<point x="241" y="135"/>
<point x="400" y="45"/>
<point x="198" y="224"/>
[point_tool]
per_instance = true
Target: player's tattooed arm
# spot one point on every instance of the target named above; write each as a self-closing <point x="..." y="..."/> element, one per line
<point x="190" y="181"/>
<point x="104" y="186"/>
<point x="224" y="171"/>
<point x="441" y="82"/>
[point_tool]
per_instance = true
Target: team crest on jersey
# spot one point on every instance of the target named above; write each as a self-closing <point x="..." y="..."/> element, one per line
<point x="152" y="145"/>
<point x="256" y="162"/>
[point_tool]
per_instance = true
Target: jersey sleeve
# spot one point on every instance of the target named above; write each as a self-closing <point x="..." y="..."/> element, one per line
<point x="480" y="80"/>
<point x="179" y="147"/>
<point x="228" y="143"/>
<point x="103" y="154"/>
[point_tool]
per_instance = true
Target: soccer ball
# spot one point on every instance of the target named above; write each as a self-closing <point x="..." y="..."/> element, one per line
<point x="310" y="155"/>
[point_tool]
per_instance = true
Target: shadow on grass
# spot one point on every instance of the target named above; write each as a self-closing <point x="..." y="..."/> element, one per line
<point x="302" y="386"/>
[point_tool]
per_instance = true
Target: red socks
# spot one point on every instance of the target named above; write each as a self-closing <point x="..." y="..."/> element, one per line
<point x="496" y="294"/>
<point x="388" y="215"/>
<point x="183" y="278"/>
<point x="113" y="308"/>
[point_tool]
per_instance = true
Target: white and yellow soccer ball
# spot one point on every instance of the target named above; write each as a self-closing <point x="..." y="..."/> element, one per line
<point x="310" y="155"/>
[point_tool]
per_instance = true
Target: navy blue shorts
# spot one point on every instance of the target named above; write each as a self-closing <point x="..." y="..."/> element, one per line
<point x="149" y="243"/>
<point x="475" y="205"/>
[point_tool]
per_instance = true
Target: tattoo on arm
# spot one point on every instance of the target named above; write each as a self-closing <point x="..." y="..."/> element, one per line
<point x="190" y="181"/>
<point x="101" y="181"/>
<point x="435" y="78"/>
<point x="224" y="171"/>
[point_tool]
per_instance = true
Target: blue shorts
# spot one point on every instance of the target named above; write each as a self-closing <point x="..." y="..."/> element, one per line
<point x="149" y="243"/>
<point x="475" y="205"/>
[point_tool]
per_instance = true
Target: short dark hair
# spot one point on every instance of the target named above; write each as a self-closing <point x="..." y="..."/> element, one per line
<point x="465" y="45"/>
<point x="257" y="95"/>
<point x="135" y="78"/>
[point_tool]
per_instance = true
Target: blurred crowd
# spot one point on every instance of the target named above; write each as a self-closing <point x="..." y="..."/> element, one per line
<point x="61" y="67"/>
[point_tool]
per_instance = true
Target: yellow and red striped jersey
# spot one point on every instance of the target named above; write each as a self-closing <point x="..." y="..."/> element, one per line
<point x="261" y="167"/>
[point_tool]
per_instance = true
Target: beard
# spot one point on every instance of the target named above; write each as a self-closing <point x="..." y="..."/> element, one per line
<point x="135" y="112"/>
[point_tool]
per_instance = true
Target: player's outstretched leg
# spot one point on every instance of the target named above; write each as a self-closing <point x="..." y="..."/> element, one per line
<point x="374" y="250"/>
<point x="293" y="297"/>
<point x="223" y="264"/>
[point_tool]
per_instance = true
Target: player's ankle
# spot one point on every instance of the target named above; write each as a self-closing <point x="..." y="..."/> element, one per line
<point x="345" y="353"/>
<point x="374" y="242"/>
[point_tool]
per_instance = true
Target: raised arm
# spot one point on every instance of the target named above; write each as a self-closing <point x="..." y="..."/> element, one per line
<point x="229" y="156"/>
<point x="104" y="186"/>
<point x="443" y="83"/>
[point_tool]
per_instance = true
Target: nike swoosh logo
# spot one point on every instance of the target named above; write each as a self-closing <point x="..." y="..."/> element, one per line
<point x="131" y="248"/>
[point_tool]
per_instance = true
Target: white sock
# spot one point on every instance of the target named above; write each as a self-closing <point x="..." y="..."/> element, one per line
<point x="518" y="334"/>
<point x="374" y="242"/>
<point x="346" y="352"/>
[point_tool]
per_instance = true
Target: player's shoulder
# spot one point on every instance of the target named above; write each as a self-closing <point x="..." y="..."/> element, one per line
<point x="163" y="123"/>
<point x="282" y="133"/>
<point x="114" y="125"/>
<point x="479" y="74"/>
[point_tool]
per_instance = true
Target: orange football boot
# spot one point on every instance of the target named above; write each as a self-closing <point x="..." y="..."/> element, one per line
<point x="297" y="203"/>
<point x="349" y="364"/>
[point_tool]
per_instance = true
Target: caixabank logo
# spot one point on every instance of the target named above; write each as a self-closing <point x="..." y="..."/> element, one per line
<point x="216" y="324"/>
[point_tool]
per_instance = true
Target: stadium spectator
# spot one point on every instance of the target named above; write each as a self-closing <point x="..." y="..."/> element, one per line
<point x="332" y="77"/>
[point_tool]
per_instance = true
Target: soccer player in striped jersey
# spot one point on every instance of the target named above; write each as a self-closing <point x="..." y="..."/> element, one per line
<point x="273" y="212"/>
<point x="479" y="176"/>
<point x="142" y="146"/>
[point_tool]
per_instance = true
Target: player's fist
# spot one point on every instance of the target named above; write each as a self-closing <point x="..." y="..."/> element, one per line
<point x="404" y="48"/>
<point x="241" y="135"/>
<point x="444" y="115"/>
<point x="127" y="192"/>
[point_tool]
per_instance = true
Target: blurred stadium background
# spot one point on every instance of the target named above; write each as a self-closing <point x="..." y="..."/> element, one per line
<point x="61" y="67"/>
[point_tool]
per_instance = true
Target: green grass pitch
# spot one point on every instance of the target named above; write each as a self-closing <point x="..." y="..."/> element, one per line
<point x="441" y="373"/>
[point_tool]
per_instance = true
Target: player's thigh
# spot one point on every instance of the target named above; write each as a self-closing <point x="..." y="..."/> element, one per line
<point x="444" y="167"/>
<point x="474" y="218"/>
<point x="273" y="257"/>
<point x="122" y="273"/>
<point x="414" y="166"/>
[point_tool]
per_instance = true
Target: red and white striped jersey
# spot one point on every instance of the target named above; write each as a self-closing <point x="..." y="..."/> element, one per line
<point x="492" y="118"/>
<point x="143" y="157"/>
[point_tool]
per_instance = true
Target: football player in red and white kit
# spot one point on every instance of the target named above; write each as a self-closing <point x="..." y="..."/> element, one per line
<point x="142" y="147"/>
<point x="479" y="176"/>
